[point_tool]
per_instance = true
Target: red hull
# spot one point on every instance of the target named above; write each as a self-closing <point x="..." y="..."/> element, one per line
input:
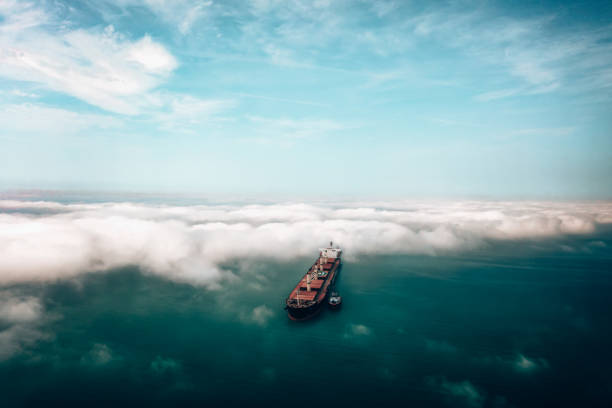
<point x="307" y="298"/>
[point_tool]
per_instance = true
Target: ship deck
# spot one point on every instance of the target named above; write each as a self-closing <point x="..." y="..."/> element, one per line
<point x="318" y="286"/>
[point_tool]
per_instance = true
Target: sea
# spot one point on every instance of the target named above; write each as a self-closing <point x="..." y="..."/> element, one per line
<point x="512" y="324"/>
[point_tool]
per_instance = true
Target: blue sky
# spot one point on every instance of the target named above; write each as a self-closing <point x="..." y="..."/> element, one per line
<point x="308" y="97"/>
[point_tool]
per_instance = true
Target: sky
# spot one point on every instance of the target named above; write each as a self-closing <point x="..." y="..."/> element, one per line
<point x="317" y="98"/>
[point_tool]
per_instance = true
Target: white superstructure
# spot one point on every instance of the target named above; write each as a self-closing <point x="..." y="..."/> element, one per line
<point x="330" y="252"/>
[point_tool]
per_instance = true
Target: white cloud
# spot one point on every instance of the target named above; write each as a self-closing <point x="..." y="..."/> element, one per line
<point x="465" y="390"/>
<point x="16" y="310"/>
<point x="261" y="315"/>
<point x="357" y="330"/>
<point x="295" y="33"/>
<point x="151" y="55"/>
<point x="192" y="15"/>
<point x="520" y="363"/>
<point x="182" y="14"/>
<point x="530" y="49"/>
<point x="184" y="113"/>
<point x="191" y="243"/>
<point x="99" y="355"/>
<point x="382" y="8"/>
<point x="20" y="93"/>
<point x="16" y="338"/>
<point x="523" y="363"/>
<point x="461" y="393"/>
<point x="528" y="365"/>
<point x="20" y="16"/>
<point x="167" y="111"/>
<point x="20" y="321"/>
<point x="100" y="67"/>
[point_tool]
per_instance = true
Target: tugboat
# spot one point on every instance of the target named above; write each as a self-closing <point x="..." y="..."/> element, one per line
<point x="335" y="300"/>
<point x="311" y="292"/>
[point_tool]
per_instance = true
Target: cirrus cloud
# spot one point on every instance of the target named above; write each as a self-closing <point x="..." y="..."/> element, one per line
<point x="99" y="66"/>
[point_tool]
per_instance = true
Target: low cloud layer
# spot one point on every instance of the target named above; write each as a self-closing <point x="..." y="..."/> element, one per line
<point x="462" y="393"/>
<point x="525" y="364"/>
<point x="357" y="330"/>
<point x="260" y="315"/>
<point x="44" y="241"/>
<point x="20" y="321"/>
<point x="99" y="355"/>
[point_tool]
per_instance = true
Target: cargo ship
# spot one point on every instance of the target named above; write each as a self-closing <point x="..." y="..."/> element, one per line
<point x="311" y="292"/>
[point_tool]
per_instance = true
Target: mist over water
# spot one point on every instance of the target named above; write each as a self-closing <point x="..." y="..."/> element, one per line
<point x="520" y="322"/>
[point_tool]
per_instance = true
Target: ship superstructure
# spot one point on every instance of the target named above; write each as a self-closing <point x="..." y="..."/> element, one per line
<point x="306" y="299"/>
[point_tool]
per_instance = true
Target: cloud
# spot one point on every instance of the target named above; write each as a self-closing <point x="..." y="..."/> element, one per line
<point x="182" y="14"/>
<point x="357" y="330"/>
<point x="20" y="310"/>
<point x="171" y="372"/>
<point x="44" y="241"/>
<point x="261" y="315"/>
<point x="19" y="16"/>
<point x="20" y="93"/>
<point x="165" y="366"/>
<point x="99" y="66"/>
<point x="167" y="111"/>
<point x="21" y="318"/>
<point x="382" y="8"/>
<point x="519" y="363"/>
<point x="296" y="33"/>
<point x="17" y="338"/>
<point x="178" y="112"/>
<point x="152" y="56"/>
<point x="532" y="49"/>
<point x="528" y="365"/>
<point x="462" y="393"/>
<point x="99" y="355"/>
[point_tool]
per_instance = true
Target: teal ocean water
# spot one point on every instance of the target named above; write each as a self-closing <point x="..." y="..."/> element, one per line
<point x="512" y="325"/>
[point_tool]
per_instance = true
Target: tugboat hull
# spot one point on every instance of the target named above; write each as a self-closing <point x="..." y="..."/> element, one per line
<point x="335" y="300"/>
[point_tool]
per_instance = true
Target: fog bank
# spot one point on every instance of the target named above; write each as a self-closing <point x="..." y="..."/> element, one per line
<point x="43" y="240"/>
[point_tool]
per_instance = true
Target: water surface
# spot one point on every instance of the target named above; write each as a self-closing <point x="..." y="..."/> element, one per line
<point x="511" y="325"/>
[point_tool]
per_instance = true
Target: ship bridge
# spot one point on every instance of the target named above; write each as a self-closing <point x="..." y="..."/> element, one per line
<point x="330" y="252"/>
